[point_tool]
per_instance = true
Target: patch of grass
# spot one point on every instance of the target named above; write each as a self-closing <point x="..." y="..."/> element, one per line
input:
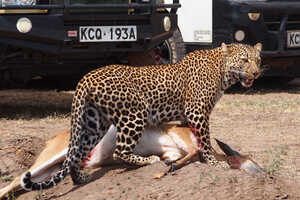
<point x="276" y="161"/>
<point x="41" y="195"/>
<point x="261" y="105"/>
<point x="233" y="179"/>
<point x="11" y="196"/>
<point x="38" y="196"/>
<point x="283" y="150"/>
<point x="274" y="166"/>
<point x="214" y="179"/>
<point x="201" y="176"/>
<point x="7" y="178"/>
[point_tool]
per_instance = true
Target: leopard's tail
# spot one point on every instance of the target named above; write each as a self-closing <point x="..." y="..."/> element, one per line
<point x="28" y="184"/>
<point x="71" y="162"/>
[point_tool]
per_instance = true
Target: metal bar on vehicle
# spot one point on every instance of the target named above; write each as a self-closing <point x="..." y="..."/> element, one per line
<point x="174" y="10"/>
<point x="133" y="5"/>
<point x="281" y="33"/>
<point x="32" y="7"/>
<point x="106" y="18"/>
<point x="66" y="11"/>
<point x="283" y="54"/>
<point x="279" y="6"/>
<point x="175" y="5"/>
<point x="23" y="11"/>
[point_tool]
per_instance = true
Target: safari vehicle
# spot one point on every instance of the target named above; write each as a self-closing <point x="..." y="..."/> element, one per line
<point x="51" y="38"/>
<point x="274" y="23"/>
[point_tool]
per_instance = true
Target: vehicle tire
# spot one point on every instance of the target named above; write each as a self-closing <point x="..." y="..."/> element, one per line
<point x="171" y="50"/>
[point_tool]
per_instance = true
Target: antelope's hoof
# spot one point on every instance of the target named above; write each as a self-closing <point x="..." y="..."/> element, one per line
<point x="172" y="168"/>
<point x="154" y="159"/>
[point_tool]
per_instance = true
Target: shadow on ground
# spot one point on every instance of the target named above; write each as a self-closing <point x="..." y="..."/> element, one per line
<point x="32" y="104"/>
<point x="266" y="85"/>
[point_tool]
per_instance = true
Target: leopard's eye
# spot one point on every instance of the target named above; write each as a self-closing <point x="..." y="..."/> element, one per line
<point x="244" y="59"/>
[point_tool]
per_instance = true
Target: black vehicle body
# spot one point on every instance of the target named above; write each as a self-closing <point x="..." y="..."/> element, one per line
<point x="276" y="20"/>
<point x="53" y="46"/>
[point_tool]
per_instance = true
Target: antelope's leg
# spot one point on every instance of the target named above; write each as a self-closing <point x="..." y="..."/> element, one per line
<point x="191" y="156"/>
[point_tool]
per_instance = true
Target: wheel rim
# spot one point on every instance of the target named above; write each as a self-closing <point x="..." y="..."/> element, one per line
<point x="163" y="53"/>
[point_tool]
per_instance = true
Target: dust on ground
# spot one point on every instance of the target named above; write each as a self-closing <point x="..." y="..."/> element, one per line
<point x="264" y="123"/>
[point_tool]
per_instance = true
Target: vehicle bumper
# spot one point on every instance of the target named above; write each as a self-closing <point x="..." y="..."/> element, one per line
<point x="49" y="31"/>
<point x="289" y="20"/>
<point x="277" y="18"/>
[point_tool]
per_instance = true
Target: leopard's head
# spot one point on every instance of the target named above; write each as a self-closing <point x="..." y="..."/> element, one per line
<point x="242" y="62"/>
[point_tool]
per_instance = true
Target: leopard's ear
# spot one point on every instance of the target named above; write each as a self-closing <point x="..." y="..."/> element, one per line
<point x="225" y="49"/>
<point x="258" y="47"/>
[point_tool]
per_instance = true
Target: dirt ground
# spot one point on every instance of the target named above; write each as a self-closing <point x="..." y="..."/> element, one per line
<point x="263" y="122"/>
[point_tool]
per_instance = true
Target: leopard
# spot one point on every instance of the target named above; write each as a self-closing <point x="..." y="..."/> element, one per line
<point x="132" y="98"/>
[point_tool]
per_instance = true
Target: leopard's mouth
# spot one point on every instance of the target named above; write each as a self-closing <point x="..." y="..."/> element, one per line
<point x="247" y="82"/>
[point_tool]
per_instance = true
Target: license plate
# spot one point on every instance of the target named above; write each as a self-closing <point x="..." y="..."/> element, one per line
<point x="293" y="39"/>
<point x="107" y="33"/>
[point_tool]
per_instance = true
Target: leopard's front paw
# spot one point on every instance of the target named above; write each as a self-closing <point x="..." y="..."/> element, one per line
<point x="212" y="161"/>
<point x="218" y="164"/>
<point x="222" y="165"/>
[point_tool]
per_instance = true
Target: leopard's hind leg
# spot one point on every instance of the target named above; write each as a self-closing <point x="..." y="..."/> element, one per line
<point x="130" y="128"/>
